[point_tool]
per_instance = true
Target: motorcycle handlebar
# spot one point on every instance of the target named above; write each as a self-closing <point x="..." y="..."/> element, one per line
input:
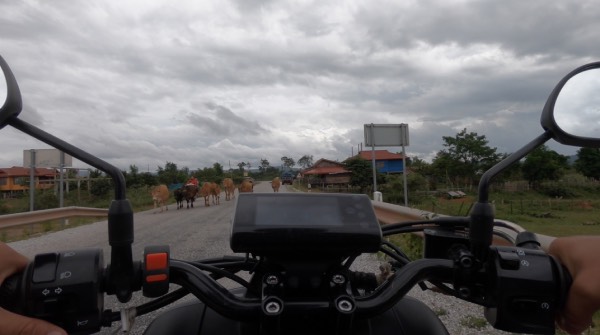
<point x="504" y="285"/>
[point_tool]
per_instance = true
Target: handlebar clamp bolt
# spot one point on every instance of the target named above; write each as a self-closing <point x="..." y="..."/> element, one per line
<point x="345" y="305"/>
<point x="272" y="307"/>
<point x="338" y="279"/>
<point x="466" y="262"/>
<point x="272" y="280"/>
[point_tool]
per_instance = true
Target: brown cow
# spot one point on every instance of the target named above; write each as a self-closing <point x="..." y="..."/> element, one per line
<point x="160" y="195"/>
<point x="275" y="184"/>
<point x="229" y="187"/>
<point x="215" y="192"/>
<point x="205" y="193"/>
<point x="247" y="186"/>
<point x="189" y="192"/>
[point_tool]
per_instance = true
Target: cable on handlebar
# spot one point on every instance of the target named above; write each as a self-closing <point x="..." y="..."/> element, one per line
<point x="214" y="295"/>
<point x="220" y="272"/>
<point x="396" y="253"/>
<point x="400" y="283"/>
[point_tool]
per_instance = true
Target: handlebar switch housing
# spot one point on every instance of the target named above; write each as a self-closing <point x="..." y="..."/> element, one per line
<point x="156" y="271"/>
<point x="525" y="295"/>
<point x="65" y="289"/>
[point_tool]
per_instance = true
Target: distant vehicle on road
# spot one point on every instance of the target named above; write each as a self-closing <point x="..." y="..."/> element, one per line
<point x="287" y="178"/>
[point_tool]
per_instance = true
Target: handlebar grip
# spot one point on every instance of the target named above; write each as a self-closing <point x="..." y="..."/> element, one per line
<point x="564" y="279"/>
<point x="10" y="292"/>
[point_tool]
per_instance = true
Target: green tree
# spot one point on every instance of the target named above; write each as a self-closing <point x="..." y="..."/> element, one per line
<point x="418" y="165"/>
<point x="132" y="178"/>
<point x="543" y="164"/>
<point x="288" y="162"/>
<point x="588" y="162"/>
<point x="218" y="169"/>
<point x="466" y="158"/>
<point x="170" y="174"/>
<point x="205" y="174"/>
<point x="513" y="172"/>
<point x="362" y="172"/>
<point x="148" y="179"/>
<point x="264" y="166"/>
<point x="241" y="165"/>
<point x="306" y="161"/>
<point x="96" y="173"/>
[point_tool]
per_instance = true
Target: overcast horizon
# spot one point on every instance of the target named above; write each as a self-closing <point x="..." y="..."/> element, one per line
<point x="196" y="83"/>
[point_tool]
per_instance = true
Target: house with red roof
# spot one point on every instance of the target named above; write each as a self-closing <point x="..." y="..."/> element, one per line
<point x="16" y="178"/>
<point x="385" y="161"/>
<point x="325" y="171"/>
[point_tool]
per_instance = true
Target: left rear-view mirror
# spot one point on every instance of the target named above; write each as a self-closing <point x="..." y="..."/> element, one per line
<point x="10" y="95"/>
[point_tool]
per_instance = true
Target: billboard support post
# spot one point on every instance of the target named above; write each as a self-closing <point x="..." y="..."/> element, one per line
<point x="387" y="135"/>
<point x="31" y="180"/>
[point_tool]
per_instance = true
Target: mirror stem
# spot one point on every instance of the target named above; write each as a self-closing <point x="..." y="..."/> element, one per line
<point x="483" y="213"/>
<point x="484" y="182"/>
<point x="120" y="213"/>
<point x="113" y="172"/>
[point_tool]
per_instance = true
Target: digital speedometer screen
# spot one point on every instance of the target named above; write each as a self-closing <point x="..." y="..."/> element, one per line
<point x="285" y="223"/>
<point x="297" y="212"/>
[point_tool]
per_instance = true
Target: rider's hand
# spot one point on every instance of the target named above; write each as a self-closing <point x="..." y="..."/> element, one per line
<point x="581" y="256"/>
<point x="12" y="262"/>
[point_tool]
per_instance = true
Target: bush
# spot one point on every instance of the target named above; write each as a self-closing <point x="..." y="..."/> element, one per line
<point x="4" y="209"/>
<point x="393" y="190"/>
<point x="101" y="187"/>
<point x="557" y="191"/>
<point x="46" y="200"/>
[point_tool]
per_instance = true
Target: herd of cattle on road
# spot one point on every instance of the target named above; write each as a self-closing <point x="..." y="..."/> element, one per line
<point x="210" y="191"/>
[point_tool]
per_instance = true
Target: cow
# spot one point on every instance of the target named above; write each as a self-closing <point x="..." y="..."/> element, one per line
<point x="275" y="184"/>
<point x="189" y="192"/>
<point x="215" y="192"/>
<point x="205" y="193"/>
<point x="160" y="195"/>
<point x="229" y="187"/>
<point x="178" y="194"/>
<point x="246" y="186"/>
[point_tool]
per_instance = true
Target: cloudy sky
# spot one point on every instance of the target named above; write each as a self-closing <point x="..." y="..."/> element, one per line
<point x="197" y="82"/>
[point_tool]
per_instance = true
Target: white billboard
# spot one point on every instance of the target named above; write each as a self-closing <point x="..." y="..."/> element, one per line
<point x="386" y="135"/>
<point x="49" y="158"/>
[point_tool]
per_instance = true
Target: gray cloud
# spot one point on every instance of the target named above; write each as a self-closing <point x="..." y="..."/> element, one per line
<point x="232" y="81"/>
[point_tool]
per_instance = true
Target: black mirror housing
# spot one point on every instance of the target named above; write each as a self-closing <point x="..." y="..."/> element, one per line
<point x="549" y="122"/>
<point x="13" y="104"/>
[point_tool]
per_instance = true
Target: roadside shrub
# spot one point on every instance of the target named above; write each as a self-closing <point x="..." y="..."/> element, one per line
<point x="393" y="190"/>
<point x="101" y="187"/>
<point x="4" y="209"/>
<point x="557" y="191"/>
<point x="46" y="200"/>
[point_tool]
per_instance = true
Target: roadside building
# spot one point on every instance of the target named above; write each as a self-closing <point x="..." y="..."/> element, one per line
<point x="385" y="161"/>
<point x="16" y="179"/>
<point x="327" y="172"/>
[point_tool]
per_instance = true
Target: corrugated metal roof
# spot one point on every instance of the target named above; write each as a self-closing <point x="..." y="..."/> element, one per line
<point x="326" y="170"/>
<point x="380" y="155"/>
<point x="25" y="171"/>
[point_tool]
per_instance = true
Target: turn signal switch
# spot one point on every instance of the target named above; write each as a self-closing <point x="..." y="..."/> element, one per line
<point x="529" y="288"/>
<point x="62" y="288"/>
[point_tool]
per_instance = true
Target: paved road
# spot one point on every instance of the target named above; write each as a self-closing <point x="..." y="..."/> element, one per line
<point x="195" y="233"/>
<point x="203" y="232"/>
